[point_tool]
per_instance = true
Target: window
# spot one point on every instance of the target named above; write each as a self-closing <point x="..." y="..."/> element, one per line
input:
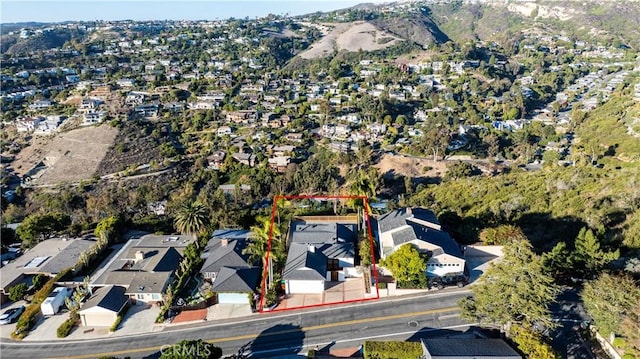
<point x="155" y="296"/>
<point x="141" y="296"/>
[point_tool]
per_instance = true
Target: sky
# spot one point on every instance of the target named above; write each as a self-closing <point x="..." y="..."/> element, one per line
<point x="87" y="10"/>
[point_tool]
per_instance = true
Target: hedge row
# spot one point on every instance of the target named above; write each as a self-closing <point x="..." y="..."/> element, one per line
<point x="115" y="324"/>
<point x="65" y="328"/>
<point x="392" y="350"/>
<point x="28" y="318"/>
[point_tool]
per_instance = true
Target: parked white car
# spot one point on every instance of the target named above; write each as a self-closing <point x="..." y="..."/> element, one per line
<point x="11" y="315"/>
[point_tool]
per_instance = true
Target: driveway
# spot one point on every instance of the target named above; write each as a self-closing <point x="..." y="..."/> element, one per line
<point x="352" y="289"/>
<point x="46" y="328"/>
<point x="138" y="319"/>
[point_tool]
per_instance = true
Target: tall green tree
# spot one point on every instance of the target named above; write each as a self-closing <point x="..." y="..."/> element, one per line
<point x="407" y="265"/>
<point x="555" y="261"/>
<point x="609" y="299"/>
<point x="110" y="228"/>
<point x="514" y="290"/>
<point x="38" y="227"/>
<point x="192" y="218"/>
<point x="18" y="291"/>
<point x="588" y="257"/>
<point x="532" y="343"/>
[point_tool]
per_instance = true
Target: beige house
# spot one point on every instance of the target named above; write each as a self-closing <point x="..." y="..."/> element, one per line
<point x="103" y="308"/>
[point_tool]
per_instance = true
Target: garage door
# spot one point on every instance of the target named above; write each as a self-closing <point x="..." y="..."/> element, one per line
<point x="306" y="286"/>
<point x="233" y="298"/>
<point x="98" y="319"/>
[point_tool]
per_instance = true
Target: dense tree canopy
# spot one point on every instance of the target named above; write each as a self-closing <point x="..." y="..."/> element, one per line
<point x="609" y="300"/>
<point x="407" y="265"/>
<point x="515" y="290"/>
<point x="36" y="227"/>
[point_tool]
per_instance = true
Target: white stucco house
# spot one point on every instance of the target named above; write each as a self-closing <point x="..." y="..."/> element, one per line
<point x="420" y="227"/>
<point x="318" y="253"/>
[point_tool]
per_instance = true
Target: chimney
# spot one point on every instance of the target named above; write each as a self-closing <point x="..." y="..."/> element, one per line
<point x="409" y="210"/>
<point x="224" y="242"/>
<point x="311" y="248"/>
<point x="139" y="255"/>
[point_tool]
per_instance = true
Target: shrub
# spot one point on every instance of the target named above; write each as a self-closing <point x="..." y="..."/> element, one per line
<point x="114" y="327"/>
<point x="18" y="291"/>
<point x="271" y="297"/>
<point x="392" y="350"/>
<point x="65" y="328"/>
<point x="39" y="280"/>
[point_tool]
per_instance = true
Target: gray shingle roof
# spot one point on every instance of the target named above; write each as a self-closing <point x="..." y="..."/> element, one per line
<point x="338" y="250"/>
<point x="398" y="217"/>
<point x="110" y="297"/>
<point x="451" y="348"/>
<point x="145" y="282"/>
<point x="302" y="232"/>
<point x="237" y="280"/>
<point x="334" y="240"/>
<point x="148" y="275"/>
<point x="67" y="257"/>
<point x="393" y="219"/>
<point x="303" y="264"/>
<point x="226" y="256"/>
<point x="411" y="231"/>
<point x="218" y="256"/>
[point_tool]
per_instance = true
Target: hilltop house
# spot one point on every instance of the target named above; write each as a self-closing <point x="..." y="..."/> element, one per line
<point x="216" y="159"/>
<point x="231" y="274"/>
<point x="318" y="252"/>
<point x="420" y="227"/>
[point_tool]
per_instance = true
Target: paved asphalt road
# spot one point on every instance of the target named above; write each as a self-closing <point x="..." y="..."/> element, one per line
<point x="276" y="334"/>
<point x="570" y="338"/>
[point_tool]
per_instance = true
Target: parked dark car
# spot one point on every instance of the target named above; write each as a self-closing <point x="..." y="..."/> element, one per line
<point x="459" y="280"/>
<point x="11" y="315"/>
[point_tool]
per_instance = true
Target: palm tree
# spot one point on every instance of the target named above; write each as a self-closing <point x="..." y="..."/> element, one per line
<point x="363" y="185"/>
<point x="192" y="218"/>
<point x="259" y="243"/>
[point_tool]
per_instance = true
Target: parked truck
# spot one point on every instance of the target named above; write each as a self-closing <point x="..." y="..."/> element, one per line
<point x="55" y="300"/>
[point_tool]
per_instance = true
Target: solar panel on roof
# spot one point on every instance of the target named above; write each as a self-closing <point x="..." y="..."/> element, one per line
<point x="36" y="262"/>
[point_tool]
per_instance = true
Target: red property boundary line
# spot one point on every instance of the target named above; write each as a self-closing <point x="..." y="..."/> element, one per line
<point x="265" y="270"/>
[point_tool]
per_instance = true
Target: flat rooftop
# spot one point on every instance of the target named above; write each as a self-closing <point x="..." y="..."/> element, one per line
<point x="50" y="256"/>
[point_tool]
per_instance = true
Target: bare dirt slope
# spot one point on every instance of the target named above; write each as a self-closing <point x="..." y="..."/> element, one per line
<point x="69" y="156"/>
<point x="411" y="166"/>
<point x="351" y="37"/>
